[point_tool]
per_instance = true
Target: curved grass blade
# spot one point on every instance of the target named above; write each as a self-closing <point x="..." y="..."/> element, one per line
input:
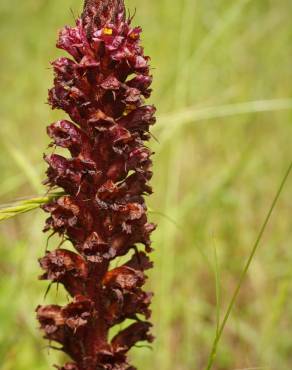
<point x="218" y="336"/>
<point x="170" y="124"/>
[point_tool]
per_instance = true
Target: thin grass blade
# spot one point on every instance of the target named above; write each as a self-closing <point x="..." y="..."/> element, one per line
<point x="218" y="336"/>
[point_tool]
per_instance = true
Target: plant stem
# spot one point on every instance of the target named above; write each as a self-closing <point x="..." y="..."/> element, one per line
<point x="213" y="352"/>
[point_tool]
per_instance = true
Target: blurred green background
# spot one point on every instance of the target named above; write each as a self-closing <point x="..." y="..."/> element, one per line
<point x="223" y="90"/>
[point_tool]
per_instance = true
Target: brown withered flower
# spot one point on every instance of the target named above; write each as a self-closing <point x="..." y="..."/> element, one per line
<point x="102" y="86"/>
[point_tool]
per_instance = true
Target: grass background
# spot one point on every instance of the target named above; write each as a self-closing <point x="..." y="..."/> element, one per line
<point x="223" y="89"/>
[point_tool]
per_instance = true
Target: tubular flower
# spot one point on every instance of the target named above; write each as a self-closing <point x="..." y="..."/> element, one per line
<point x="102" y="87"/>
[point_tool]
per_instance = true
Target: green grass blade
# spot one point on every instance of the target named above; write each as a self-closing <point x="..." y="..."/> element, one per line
<point x="24" y="206"/>
<point x="169" y="124"/>
<point x="218" y="336"/>
<point x="218" y="287"/>
<point x="194" y="114"/>
<point x="26" y="167"/>
<point x="186" y="32"/>
<point x="223" y="24"/>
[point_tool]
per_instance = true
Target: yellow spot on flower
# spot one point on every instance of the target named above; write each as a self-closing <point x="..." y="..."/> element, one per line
<point x="107" y="31"/>
<point x="134" y="36"/>
<point x="129" y="109"/>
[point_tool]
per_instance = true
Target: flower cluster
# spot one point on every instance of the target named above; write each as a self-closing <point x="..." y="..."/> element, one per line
<point x="102" y="87"/>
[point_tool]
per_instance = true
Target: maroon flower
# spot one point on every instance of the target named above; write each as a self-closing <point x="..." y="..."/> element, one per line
<point x="105" y="176"/>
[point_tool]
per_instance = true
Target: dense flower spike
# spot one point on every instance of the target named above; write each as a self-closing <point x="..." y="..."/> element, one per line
<point x="102" y="88"/>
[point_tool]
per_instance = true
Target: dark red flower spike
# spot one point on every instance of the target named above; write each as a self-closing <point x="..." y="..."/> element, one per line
<point x="102" y="86"/>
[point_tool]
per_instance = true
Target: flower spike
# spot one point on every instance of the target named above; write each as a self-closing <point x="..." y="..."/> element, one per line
<point x="102" y="86"/>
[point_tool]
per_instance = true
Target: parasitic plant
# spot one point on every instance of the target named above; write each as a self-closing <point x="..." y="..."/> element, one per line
<point x="102" y="87"/>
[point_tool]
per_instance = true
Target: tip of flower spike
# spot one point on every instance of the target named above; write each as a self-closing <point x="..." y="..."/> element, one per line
<point x="97" y="13"/>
